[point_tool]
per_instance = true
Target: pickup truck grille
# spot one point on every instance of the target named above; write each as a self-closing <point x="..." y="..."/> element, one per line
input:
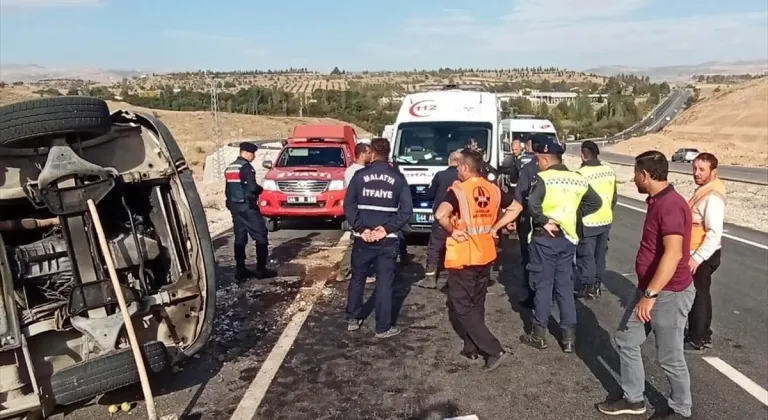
<point x="309" y="186"/>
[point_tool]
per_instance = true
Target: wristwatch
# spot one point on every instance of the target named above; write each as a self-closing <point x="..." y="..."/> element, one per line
<point x="649" y="295"/>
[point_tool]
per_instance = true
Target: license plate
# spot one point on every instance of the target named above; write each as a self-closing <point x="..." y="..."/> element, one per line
<point x="302" y="199"/>
<point x="424" y="218"/>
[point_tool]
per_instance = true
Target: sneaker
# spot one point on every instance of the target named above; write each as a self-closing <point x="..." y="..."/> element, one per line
<point x="428" y="282"/>
<point x="693" y="347"/>
<point x="668" y="414"/>
<point x="493" y="362"/>
<point x="621" y="406"/>
<point x="354" y="324"/>
<point x="391" y="332"/>
<point x="708" y="343"/>
<point x="370" y="280"/>
<point x="471" y="355"/>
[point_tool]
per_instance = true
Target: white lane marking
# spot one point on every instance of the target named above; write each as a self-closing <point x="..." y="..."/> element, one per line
<point x="747" y="384"/>
<point x="258" y="388"/>
<point x="469" y="417"/>
<point x="727" y="235"/>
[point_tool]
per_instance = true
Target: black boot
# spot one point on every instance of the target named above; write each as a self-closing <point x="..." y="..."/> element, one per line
<point x="536" y="338"/>
<point x="569" y="340"/>
<point x="429" y="281"/>
<point x="589" y="291"/>
<point x="262" y="254"/>
<point x="242" y="273"/>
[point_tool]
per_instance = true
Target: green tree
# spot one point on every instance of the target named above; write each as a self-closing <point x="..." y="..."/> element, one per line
<point x="543" y="110"/>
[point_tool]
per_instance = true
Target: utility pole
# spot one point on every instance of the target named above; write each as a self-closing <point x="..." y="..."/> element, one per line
<point x="218" y="157"/>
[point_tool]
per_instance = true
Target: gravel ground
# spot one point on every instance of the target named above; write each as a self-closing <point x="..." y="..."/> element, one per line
<point x="746" y="202"/>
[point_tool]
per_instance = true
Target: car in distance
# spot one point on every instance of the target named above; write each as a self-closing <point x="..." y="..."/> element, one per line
<point x="685" y="155"/>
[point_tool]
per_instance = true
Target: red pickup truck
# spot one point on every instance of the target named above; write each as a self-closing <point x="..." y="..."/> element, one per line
<point x="307" y="179"/>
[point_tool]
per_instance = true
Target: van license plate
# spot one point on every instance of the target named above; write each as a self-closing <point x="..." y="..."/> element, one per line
<point x="302" y="200"/>
<point x="424" y="218"/>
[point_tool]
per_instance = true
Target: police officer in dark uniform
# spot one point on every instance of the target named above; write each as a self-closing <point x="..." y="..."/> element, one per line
<point x="527" y="170"/>
<point x="377" y="205"/>
<point x="242" y="193"/>
<point x="556" y="200"/>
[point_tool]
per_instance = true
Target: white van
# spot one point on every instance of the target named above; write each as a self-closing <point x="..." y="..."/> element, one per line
<point x="431" y="125"/>
<point x="522" y="128"/>
<point x="388" y="132"/>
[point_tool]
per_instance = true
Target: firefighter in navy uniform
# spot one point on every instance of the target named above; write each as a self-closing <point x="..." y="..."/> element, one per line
<point x="242" y="193"/>
<point x="557" y="198"/>
<point x="377" y="205"/>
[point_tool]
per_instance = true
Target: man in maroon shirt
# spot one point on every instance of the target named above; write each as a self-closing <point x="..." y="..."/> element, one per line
<point x="665" y="293"/>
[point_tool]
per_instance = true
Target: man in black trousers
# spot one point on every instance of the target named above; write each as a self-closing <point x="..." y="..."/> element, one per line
<point x="436" y="248"/>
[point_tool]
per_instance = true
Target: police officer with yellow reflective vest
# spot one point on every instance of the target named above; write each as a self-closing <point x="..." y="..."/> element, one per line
<point x="593" y="245"/>
<point x="377" y="206"/>
<point x="242" y="192"/>
<point x="556" y="199"/>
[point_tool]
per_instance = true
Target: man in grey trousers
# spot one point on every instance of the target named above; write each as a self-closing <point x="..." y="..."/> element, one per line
<point x="664" y="295"/>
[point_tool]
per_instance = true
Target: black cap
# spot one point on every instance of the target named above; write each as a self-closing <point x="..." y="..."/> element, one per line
<point x="591" y="146"/>
<point x="248" y="147"/>
<point x="547" y="146"/>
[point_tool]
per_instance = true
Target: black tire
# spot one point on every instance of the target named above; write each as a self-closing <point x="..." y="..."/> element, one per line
<point x="23" y="121"/>
<point x="345" y="226"/>
<point x="106" y="373"/>
<point x="273" y="225"/>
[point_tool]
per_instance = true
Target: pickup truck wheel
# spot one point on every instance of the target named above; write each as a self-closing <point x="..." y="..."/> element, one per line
<point x="23" y="121"/>
<point x="272" y="224"/>
<point x="345" y="226"/>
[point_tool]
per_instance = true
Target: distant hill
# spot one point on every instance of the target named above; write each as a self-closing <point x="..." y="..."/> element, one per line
<point x="32" y="72"/>
<point x="683" y="73"/>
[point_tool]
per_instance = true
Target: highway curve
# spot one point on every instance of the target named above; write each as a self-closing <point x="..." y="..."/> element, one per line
<point x="670" y="107"/>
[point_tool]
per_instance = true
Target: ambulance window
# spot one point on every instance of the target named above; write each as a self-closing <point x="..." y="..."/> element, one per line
<point x="430" y="143"/>
<point x="505" y="140"/>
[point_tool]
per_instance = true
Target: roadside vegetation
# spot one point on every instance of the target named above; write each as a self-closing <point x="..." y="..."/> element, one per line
<point x="371" y="103"/>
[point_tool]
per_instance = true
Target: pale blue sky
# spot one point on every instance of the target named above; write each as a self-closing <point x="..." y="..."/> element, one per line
<point x="394" y="34"/>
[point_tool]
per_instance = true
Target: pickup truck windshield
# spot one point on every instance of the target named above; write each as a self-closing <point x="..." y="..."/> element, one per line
<point x="312" y="156"/>
<point x="430" y="143"/>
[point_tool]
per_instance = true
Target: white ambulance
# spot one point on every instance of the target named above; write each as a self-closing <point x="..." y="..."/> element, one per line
<point x="523" y="127"/>
<point x="431" y="125"/>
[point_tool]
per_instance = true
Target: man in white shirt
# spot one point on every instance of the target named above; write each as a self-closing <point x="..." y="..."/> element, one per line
<point x="363" y="156"/>
<point x="708" y="211"/>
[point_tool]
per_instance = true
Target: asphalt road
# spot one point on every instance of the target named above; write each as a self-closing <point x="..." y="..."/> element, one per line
<point x="332" y="374"/>
<point x="671" y="107"/>
<point x="248" y="323"/>
<point x="731" y="173"/>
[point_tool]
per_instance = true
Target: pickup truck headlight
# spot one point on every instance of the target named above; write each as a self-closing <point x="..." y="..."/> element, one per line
<point x="337" y="185"/>
<point x="270" y="185"/>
